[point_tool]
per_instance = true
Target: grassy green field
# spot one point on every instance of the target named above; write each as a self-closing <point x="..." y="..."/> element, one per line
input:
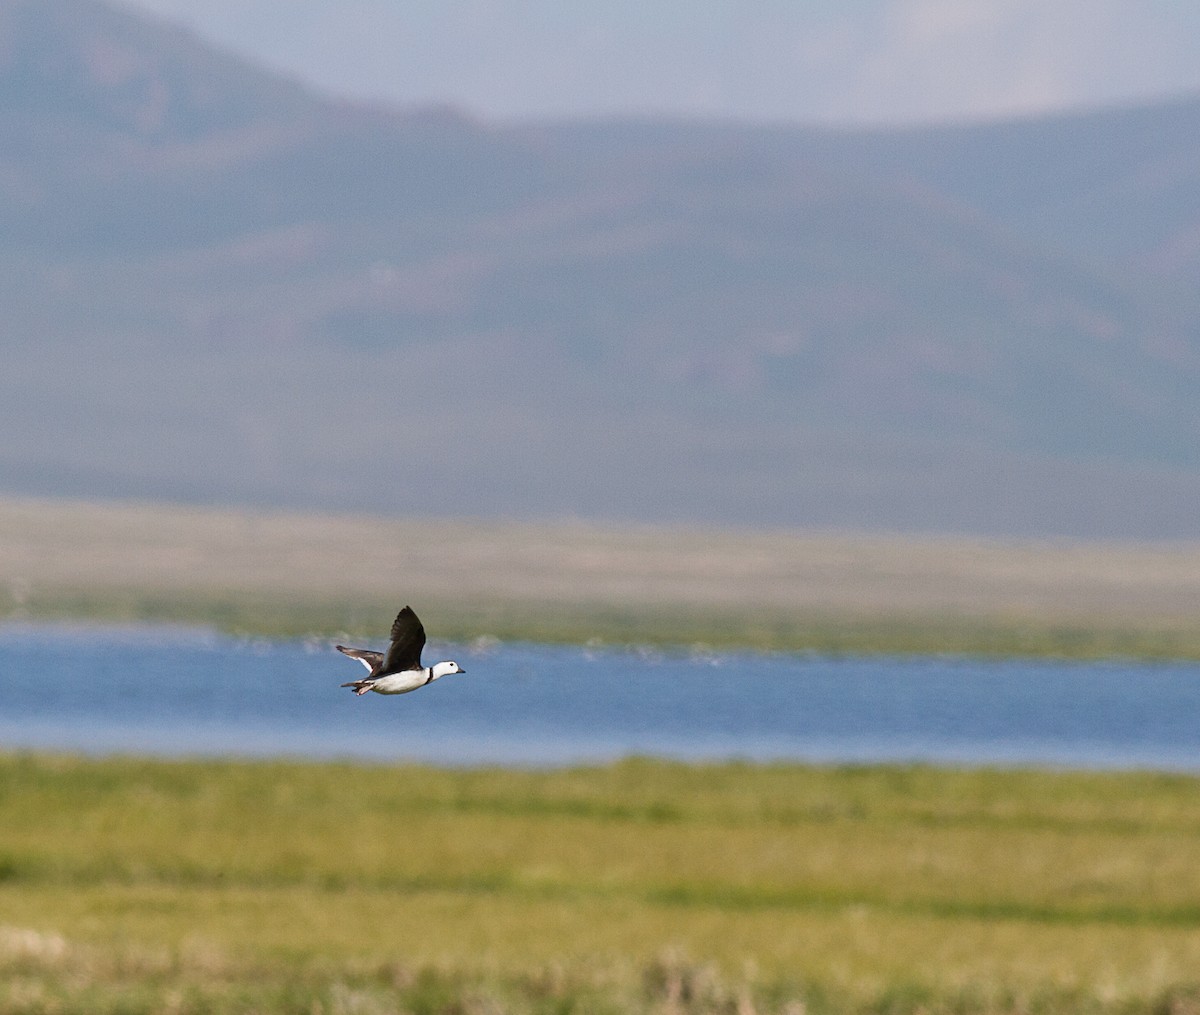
<point x="154" y="886"/>
<point x="664" y="624"/>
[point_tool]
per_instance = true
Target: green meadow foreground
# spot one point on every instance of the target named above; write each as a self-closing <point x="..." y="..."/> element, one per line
<point x="157" y="886"/>
<point x="293" y="574"/>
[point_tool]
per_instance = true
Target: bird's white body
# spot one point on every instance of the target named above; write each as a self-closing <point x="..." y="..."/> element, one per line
<point x="410" y="680"/>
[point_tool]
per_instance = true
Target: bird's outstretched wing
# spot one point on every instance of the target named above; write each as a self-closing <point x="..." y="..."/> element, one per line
<point x="371" y="660"/>
<point x="408" y="638"/>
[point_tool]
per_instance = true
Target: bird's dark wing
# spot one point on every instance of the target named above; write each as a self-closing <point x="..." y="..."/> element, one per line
<point x="371" y="660"/>
<point x="408" y="638"/>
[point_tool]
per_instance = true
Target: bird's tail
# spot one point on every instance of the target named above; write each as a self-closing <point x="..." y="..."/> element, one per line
<point x="359" y="685"/>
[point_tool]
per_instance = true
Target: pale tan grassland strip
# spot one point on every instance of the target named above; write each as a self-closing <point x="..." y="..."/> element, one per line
<point x="324" y="573"/>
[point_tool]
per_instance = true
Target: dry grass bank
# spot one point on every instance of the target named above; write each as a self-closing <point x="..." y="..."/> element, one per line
<point x="296" y="572"/>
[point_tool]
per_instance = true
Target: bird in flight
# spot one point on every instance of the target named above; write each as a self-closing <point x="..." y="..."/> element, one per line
<point x="400" y="670"/>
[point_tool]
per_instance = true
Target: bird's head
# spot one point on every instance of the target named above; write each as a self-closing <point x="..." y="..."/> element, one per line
<point x="446" y="668"/>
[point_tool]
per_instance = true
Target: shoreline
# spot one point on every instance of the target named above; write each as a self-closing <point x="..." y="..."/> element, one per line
<point x="284" y="574"/>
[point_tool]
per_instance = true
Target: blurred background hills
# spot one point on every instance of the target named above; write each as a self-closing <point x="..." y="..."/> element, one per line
<point x="219" y="286"/>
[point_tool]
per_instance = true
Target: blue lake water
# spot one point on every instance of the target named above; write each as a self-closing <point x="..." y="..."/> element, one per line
<point x="182" y="692"/>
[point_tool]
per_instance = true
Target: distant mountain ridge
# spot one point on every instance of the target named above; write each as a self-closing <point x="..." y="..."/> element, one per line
<point x="216" y="286"/>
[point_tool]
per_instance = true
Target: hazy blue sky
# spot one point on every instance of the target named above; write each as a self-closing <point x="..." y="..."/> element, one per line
<point x="852" y="60"/>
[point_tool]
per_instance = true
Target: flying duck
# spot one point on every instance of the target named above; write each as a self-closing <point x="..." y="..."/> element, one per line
<point x="400" y="671"/>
